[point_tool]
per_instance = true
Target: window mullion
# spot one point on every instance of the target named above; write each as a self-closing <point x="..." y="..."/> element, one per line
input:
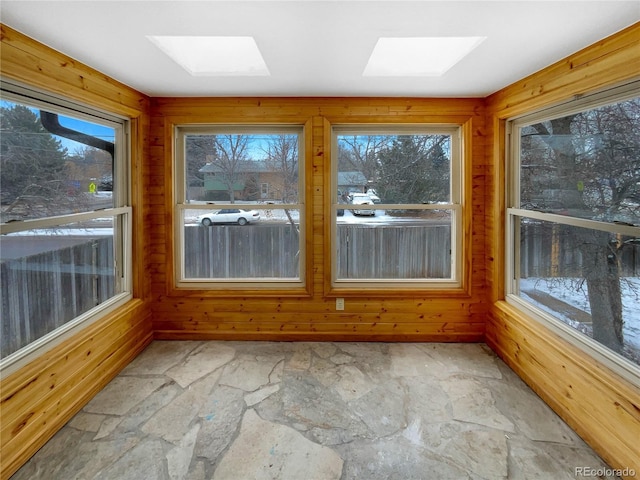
<point x="610" y="227"/>
<point x="48" y="222"/>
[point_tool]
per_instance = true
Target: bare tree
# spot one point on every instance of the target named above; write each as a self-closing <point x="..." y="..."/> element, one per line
<point x="226" y="158"/>
<point x="586" y="165"/>
<point x="360" y="153"/>
<point x="282" y="158"/>
<point x="232" y="154"/>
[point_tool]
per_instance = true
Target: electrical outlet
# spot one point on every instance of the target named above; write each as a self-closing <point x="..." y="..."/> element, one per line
<point x="339" y="303"/>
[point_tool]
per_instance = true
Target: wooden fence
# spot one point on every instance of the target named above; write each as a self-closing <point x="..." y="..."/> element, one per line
<point x="232" y="251"/>
<point x="271" y="251"/>
<point x="552" y="250"/>
<point x="44" y="291"/>
<point x="403" y="251"/>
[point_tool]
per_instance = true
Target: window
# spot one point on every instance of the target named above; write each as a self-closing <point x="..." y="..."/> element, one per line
<point x="574" y="222"/>
<point x="397" y="206"/>
<point x="65" y="234"/>
<point x="239" y="211"/>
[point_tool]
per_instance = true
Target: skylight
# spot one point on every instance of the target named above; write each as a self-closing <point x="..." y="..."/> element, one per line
<point x="213" y="56"/>
<point x="418" y="56"/>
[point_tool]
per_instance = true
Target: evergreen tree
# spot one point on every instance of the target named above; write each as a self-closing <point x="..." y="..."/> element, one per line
<point x="414" y="169"/>
<point x="200" y="149"/>
<point x="32" y="162"/>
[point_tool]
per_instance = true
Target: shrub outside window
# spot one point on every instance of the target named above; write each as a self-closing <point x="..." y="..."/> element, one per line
<point x="239" y="210"/>
<point x="65" y="222"/>
<point x="574" y="222"/>
<point x="397" y="206"/>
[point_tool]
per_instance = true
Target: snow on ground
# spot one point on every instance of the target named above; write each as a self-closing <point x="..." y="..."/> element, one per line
<point x="573" y="291"/>
<point x="65" y="232"/>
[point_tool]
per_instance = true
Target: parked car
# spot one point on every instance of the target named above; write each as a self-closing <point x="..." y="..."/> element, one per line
<point x="361" y="199"/>
<point x="373" y="195"/>
<point x="229" y="215"/>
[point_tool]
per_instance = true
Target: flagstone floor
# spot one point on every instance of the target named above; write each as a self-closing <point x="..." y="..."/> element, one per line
<point x="313" y="411"/>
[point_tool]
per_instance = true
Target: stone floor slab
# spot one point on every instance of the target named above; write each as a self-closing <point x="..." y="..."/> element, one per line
<point x="159" y="357"/>
<point x="473" y="403"/>
<point x="248" y="372"/>
<point x="220" y="417"/>
<point x="531" y="415"/>
<point x="265" y="450"/>
<point x="313" y="411"/>
<point x="122" y="394"/>
<point x="201" y="361"/>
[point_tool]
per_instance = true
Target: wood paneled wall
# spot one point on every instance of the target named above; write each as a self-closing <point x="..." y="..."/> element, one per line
<point x="601" y="406"/>
<point x="416" y="315"/>
<point x="39" y="398"/>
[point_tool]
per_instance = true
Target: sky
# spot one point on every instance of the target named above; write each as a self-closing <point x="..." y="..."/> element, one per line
<point x="90" y="128"/>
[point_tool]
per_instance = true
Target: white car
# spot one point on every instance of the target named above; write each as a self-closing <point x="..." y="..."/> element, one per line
<point x="361" y="199"/>
<point x="373" y="195"/>
<point x="229" y="215"/>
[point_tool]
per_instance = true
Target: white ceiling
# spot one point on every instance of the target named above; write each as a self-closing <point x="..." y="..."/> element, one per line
<point x="319" y="48"/>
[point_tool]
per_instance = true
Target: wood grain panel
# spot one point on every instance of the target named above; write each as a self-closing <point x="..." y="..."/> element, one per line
<point x="334" y="332"/>
<point x="26" y="60"/>
<point x="602" y="407"/>
<point x="40" y="398"/>
<point x="391" y="312"/>
<point x="37" y="399"/>
<point x="608" y="62"/>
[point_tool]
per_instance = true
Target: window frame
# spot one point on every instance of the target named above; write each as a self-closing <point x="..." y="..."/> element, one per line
<point x="260" y="286"/>
<point x="514" y="215"/>
<point x="456" y="284"/>
<point x="121" y="212"/>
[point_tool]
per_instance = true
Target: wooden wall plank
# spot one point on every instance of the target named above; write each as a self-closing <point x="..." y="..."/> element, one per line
<point x="611" y="61"/>
<point x="602" y="407"/>
<point x="26" y="60"/>
<point x="200" y="311"/>
<point x="37" y="399"/>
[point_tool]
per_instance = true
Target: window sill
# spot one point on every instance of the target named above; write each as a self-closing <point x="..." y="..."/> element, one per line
<point x="399" y="290"/>
<point x="226" y="290"/>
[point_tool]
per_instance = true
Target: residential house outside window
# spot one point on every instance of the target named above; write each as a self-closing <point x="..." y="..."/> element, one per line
<point x="65" y="220"/>
<point x="397" y="206"/>
<point x="239" y="210"/>
<point x="574" y="222"/>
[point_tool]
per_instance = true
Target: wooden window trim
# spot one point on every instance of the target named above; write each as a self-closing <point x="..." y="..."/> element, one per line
<point x="260" y="287"/>
<point x="430" y="289"/>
